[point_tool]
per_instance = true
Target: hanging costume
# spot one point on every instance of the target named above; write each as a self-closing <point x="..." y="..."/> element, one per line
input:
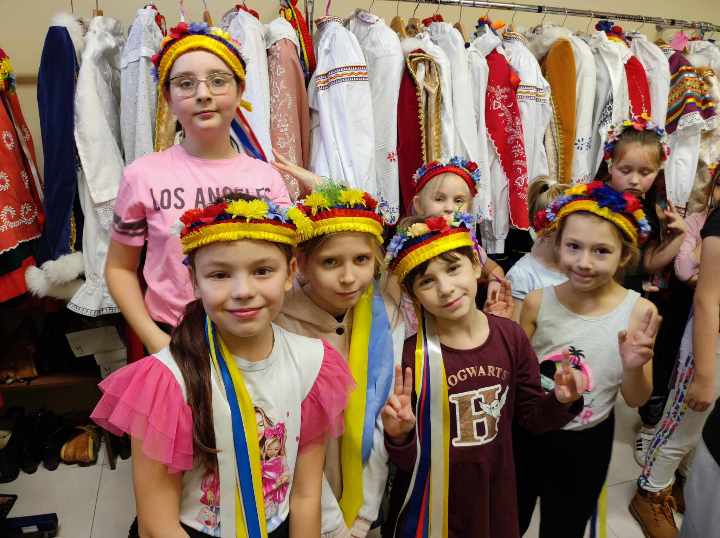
<point x="370" y="337"/>
<point x="97" y="135"/>
<point x="59" y="249"/>
<point x="447" y="113"/>
<point x="613" y="104"/>
<point x="21" y="190"/>
<point x="508" y="163"/>
<point x="342" y="130"/>
<point x="554" y="51"/>
<point x="138" y="97"/>
<point x="289" y="109"/>
<point x="689" y="109"/>
<point x="386" y="63"/>
<point x="533" y="96"/>
<point x="248" y="30"/>
<point x="452" y="44"/>
<point x="658" y="74"/>
<point x="264" y="412"/>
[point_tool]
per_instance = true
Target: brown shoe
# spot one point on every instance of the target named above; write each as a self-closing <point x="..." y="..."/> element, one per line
<point x="654" y="513"/>
<point x="677" y="492"/>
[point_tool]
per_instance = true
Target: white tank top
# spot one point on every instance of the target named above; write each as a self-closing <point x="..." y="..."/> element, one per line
<point x="594" y="340"/>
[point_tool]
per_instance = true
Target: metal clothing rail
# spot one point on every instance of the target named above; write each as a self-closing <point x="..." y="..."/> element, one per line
<point x="661" y="22"/>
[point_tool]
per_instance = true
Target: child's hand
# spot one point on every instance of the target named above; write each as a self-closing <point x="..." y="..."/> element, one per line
<point x="397" y="415"/>
<point x="674" y="223"/>
<point x="570" y="384"/>
<point x="308" y="179"/>
<point x="499" y="299"/>
<point x="637" y="348"/>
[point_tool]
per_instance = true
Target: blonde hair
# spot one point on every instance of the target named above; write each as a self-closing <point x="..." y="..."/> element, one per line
<point x="541" y="193"/>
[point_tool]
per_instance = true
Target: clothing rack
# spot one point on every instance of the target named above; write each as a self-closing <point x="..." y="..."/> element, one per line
<point x="660" y="22"/>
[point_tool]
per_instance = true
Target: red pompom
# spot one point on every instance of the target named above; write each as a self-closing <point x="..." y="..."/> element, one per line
<point x="472" y="166"/>
<point x="214" y="210"/>
<point x="370" y="202"/>
<point x="190" y="216"/>
<point x="633" y="204"/>
<point x="180" y="30"/>
<point x="437" y="224"/>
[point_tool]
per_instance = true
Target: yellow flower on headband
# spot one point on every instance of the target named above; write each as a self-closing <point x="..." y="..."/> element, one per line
<point x="253" y="209"/>
<point x="222" y="33"/>
<point x="316" y="201"/>
<point x="580" y="188"/>
<point x="352" y="197"/>
<point x="418" y="229"/>
<point x="302" y="223"/>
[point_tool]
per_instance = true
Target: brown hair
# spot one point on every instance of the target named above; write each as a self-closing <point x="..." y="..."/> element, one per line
<point x="189" y="349"/>
<point x="629" y="257"/>
<point x="541" y="193"/>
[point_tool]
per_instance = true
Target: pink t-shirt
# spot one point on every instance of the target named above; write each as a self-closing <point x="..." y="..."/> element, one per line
<point x="156" y="190"/>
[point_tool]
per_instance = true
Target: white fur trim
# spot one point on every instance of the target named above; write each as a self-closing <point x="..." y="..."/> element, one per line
<point x="75" y="27"/>
<point x="64" y="269"/>
<point x="36" y="282"/>
<point x="411" y="44"/>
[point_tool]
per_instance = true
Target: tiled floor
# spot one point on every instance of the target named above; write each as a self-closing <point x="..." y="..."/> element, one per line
<point x="96" y="502"/>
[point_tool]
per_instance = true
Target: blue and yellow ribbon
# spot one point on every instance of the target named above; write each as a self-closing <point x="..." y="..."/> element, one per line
<point x="249" y="500"/>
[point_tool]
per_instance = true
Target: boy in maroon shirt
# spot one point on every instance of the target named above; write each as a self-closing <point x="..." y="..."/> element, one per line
<point x="491" y="376"/>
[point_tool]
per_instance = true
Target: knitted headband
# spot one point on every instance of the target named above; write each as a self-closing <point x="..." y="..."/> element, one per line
<point x="467" y="170"/>
<point x="638" y="123"/>
<point x="425" y="240"/>
<point x="622" y="209"/>
<point x="231" y="220"/>
<point x="197" y="36"/>
<point x="333" y="208"/>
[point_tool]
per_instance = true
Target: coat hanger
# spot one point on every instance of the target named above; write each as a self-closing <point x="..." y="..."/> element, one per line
<point x="590" y="20"/>
<point x="97" y="12"/>
<point x="459" y="25"/>
<point x="564" y="18"/>
<point x="398" y="24"/>
<point x="181" y="7"/>
<point x="328" y="3"/>
<point x="414" y="24"/>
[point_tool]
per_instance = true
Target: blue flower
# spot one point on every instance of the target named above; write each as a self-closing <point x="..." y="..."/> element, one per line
<point x="466" y="219"/>
<point x="198" y="28"/>
<point x="395" y="246"/>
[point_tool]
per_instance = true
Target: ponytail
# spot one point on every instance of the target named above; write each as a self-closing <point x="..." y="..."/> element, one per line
<point x="189" y="349"/>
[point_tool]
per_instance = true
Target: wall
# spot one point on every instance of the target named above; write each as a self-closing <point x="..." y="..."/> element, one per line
<point x="23" y="23"/>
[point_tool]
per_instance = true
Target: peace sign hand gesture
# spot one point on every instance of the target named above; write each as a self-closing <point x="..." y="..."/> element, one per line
<point x="636" y="348"/>
<point x="397" y="415"/>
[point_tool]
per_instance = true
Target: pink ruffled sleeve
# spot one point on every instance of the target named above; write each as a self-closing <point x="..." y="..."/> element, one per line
<point x="322" y="409"/>
<point x="144" y="400"/>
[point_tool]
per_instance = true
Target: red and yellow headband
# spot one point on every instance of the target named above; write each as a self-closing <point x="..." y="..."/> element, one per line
<point x="232" y="220"/>
<point x="468" y="171"/>
<point x="334" y="208"/>
<point x="426" y="240"/>
<point x="622" y="209"/>
<point x="197" y="36"/>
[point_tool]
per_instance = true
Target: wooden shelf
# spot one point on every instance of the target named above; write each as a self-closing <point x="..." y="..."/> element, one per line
<point x="52" y="381"/>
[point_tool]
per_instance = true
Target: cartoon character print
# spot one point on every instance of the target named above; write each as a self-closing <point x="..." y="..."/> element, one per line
<point x="275" y="473"/>
<point x="209" y="515"/>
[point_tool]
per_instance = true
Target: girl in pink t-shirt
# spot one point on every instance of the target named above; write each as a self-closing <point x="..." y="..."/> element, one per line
<point x="202" y="77"/>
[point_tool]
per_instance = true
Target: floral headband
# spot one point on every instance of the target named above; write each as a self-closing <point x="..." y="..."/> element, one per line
<point x="333" y="208"/>
<point x="7" y="75"/>
<point x="425" y="240"/>
<point x="622" y="209"/>
<point x="197" y="36"/>
<point x="231" y="220"/>
<point x="638" y="123"/>
<point x="467" y="170"/>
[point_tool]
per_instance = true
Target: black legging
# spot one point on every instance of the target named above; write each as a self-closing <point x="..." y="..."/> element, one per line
<point x="566" y="470"/>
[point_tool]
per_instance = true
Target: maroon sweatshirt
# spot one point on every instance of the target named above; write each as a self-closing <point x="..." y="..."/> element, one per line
<point x="488" y="388"/>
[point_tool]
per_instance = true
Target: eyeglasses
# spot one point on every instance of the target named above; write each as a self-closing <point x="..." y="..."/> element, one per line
<point x="185" y="86"/>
